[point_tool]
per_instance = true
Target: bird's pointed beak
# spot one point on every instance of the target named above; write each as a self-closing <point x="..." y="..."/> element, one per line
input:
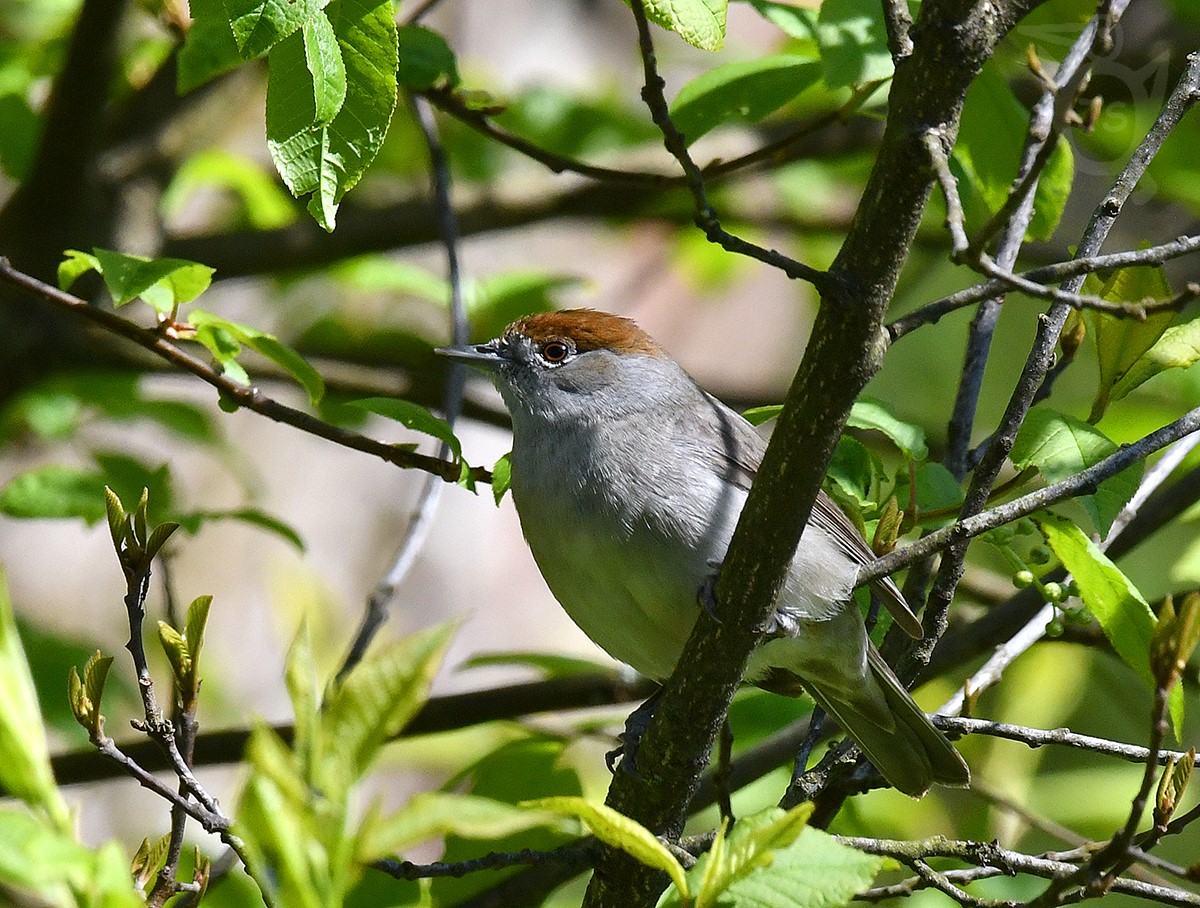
<point x="486" y="357"/>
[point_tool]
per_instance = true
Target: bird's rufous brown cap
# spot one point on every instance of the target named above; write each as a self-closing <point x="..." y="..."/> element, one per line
<point x="587" y="329"/>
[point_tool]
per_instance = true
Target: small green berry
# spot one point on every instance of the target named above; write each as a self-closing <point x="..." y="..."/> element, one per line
<point x="1022" y="579"/>
<point x="1039" y="555"/>
<point x="1053" y="592"/>
<point x="1054" y="628"/>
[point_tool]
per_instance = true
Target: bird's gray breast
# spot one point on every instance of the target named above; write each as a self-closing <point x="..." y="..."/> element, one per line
<point x="624" y="550"/>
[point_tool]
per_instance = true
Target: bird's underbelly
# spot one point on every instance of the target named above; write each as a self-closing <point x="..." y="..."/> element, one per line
<point x="627" y="595"/>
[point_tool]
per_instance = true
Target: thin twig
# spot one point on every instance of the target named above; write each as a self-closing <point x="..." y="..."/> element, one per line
<point x="421" y="519"/>
<point x="1062" y="737"/>
<point x="1035" y="629"/>
<point x="706" y="217"/>
<point x="1084" y="482"/>
<point x="1045" y="121"/>
<point x="573" y="855"/>
<point x="1153" y="255"/>
<point x="249" y="397"/>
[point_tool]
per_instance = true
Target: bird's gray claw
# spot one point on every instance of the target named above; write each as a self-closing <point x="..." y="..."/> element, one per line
<point x="706" y="596"/>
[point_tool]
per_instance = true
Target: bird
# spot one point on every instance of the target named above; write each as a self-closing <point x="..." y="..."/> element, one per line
<point x="628" y="479"/>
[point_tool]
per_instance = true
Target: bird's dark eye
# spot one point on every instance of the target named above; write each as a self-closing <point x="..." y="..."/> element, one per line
<point x="555" y="352"/>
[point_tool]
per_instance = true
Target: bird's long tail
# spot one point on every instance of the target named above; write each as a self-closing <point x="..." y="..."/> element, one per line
<point x="902" y="744"/>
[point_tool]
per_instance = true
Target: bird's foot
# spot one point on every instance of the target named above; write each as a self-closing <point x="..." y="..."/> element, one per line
<point x="625" y="756"/>
<point x="706" y="596"/>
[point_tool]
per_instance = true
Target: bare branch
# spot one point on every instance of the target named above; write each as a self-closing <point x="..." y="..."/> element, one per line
<point x="249" y="397"/>
<point x="706" y="217"/>
<point x="421" y="520"/>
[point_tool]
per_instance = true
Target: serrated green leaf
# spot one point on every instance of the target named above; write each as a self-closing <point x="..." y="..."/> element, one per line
<point x="987" y="151"/>
<point x="258" y="25"/>
<point x="1121" y="342"/>
<point x="745" y="91"/>
<point x="1061" y="446"/>
<point x="326" y="158"/>
<point x="163" y="283"/>
<point x="24" y="755"/>
<point x="197" y="620"/>
<point x="379" y="696"/>
<point x="54" y="492"/>
<point x="868" y="413"/>
<point x="501" y="477"/>
<point x="426" y="59"/>
<point x="301" y="677"/>
<point x="95" y="674"/>
<point x="700" y="23"/>
<point x="619" y="831"/>
<point x="209" y="48"/>
<point x="1178" y="348"/>
<point x="75" y="265"/>
<point x="853" y="42"/>
<point x="1112" y="599"/>
<point x="44" y="865"/>
<point x="412" y="416"/>
<point x="751" y="847"/>
<point x="431" y="815"/>
<point x="324" y="60"/>
<point x="176" y="650"/>
<point x="221" y="331"/>
<point x="149" y="859"/>
<point x="264" y="204"/>
<point x="158" y="537"/>
<point x="115" y="511"/>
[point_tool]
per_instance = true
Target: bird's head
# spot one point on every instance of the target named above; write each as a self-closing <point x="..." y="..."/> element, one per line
<point x="575" y="364"/>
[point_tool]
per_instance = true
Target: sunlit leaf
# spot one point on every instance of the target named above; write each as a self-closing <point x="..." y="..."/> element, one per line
<point x="412" y="416"/>
<point x="698" y="22"/>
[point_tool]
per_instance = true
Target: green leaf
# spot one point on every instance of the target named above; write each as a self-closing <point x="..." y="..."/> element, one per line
<point x="756" y="416"/>
<point x="745" y="91"/>
<point x="252" y="516"/>
<point x="1061" y="446"/>
<point x="24" y="755"/>
<point x="868" y="413"/>
<point x="853" y="42"/>
<point x="176" y="650"/>
<point x="1121" y="342"/>
<point x="547" y="665"/>
<point x="501" y="477"/>
<point x="42" y="864"/>
<point x="55" y="492"/>
<point x="816" y="871"/>
<point x="224" y="338"/>
<point x="301" y="677"/>
<point x="263" y="202"/>
<point x="793" y="21"/>
<point x="258" y="25"/>
<point x="1178" y="348"/>
<point x="853" y="470"/>
<point x="321" y="157"/>
<point x="987" y="153"/>
<point x="1112" y="599"/>
<point x="209" y="48"/>
<point x="149" y="859"/>
<point x="378" y="273"/>
<point x="379" y="696"/>
<point x="426" y="59"/>
<point x="412" y="416"/>
<point x="431" y="815"/>
<point x="619" y="831"/>
<point x="750" y="848"/>
<point x="163" y="283"/>
<point x="324" y="60"/>
<point x="700" y="23"/>
<point x="495" y="302"/>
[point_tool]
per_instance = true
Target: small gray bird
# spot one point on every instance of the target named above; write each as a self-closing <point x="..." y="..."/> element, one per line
<point x="629" y="478"/>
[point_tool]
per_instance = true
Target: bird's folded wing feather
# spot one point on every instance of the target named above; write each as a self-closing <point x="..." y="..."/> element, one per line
<point x="738" y="463"/>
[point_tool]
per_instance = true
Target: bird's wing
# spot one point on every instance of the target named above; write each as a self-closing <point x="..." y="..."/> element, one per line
<point x="738" y="463"/>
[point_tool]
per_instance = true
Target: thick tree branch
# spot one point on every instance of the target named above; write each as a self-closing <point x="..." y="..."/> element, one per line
<point x="951" y="42"/>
